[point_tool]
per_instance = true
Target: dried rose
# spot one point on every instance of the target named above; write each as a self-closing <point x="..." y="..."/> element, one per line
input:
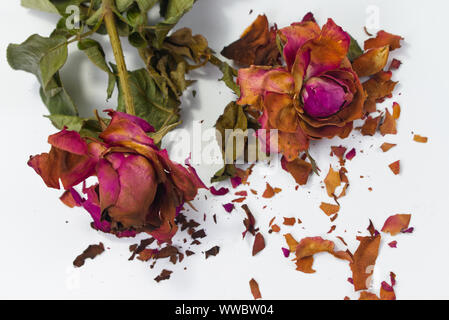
<point x="316" y="95"/>
<point x="139" y="188"/>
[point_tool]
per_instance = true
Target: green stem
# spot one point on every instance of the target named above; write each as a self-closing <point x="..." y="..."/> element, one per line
<point x="111" y="27"/>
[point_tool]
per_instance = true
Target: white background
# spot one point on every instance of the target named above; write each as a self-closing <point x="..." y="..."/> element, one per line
<point x="37" y="246"/>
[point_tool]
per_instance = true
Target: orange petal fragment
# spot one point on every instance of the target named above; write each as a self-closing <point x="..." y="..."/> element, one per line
<point x="289" y="221"/>
<point x="364" y="260"/>
<point x="420" y="139"/>
<point x="384" y="39"/>
<point x="396" y="224"/>
<point x="291" y="242"/>
<point x="308" y="247"/>
<point x="389" y="125"/>
<point x="395" y="167"/>
<point x="254" y="286"/>
<point x="387" y="146"/>
<point x="68" y="200"/>
<point x="269" y="192"/>
<point x="259" y="244"/>
<point x="371" y="62"/>
<point x="299" y="169"/>
<point x="396" y="110"/>
<point x="332" y="181"/>
<point x="329" y="209"/>
<point x="370" y="126"/>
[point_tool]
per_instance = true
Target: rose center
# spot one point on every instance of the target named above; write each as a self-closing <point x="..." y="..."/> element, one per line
<point x="322" y="97"/>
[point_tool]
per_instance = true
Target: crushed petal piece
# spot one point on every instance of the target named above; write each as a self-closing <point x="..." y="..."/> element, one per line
<point x="254" y="286"/>
<point x="91" y="252"/>
<point x="397" y="224"/>
<point x="259" y="244"/>
<point x="220" y="192"/>
<point x="329" y="209"/>
<point x="396" y="167"/>
<point x="420" y="139"/>
<point x="165" y="275"/>
<point x="289" y="221"/>
<point x="212" y="252"/>
<point x="387" y="146"/>
<point x="332" y="181"/>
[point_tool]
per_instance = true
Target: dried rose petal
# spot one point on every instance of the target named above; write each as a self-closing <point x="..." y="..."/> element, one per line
<point x="397" y="224"/>
<point x="420" y="139"/>
<point x="370" y="126"/>
<point x="389" y="125"/>
<point x="371" y="62"/>
<point x="229" y="207"/>
<point x="259" y="244"/>
<point x="286" y="252"/>
<point x="90" y="253"/>
<point x="384" y="39"/>
<point x="364" y="261"/>
<point x="329" y="209"/>
<point x="387" y="146"/>
<point x="351" y="154"/>
<point x="393" y="244"/>
<point x="289" y="221"/>
<point x="395" y="167"/>
<point x="254" y="286"/>
<point x="220" y="192"/>
<point x="332" y="181"/>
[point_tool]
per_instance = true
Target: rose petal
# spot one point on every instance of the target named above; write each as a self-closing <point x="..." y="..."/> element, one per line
<point x="332" y="181"/>
<point x="254" y="286"/>
<point x="384" y="39"/>
<point x="259" y="244"/>
<point x="371" y="62"/>
<point x="389" y="125"/>
<point x="229" y="207"/>
<point x="396" y="224"/>
<point x="220" y="192"/>
<point x="69" y="141"/>
<point x="298" y="168"/>
<point x="255" y="81"/>
<point x="257" y="45"/>
<point x="295" y="36"/>
<point x="395" y="167"/>
<point x="328" y="50"/>
<point x="364" y="261"/>
<point x="370" y="126"/>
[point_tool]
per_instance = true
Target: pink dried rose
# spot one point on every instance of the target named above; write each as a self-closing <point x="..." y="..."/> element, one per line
<point x="139" y="188"/>
<point x="316" y="95"/>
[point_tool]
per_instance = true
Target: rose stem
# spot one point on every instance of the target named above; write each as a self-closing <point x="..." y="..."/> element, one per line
<point x="111" y="27"/>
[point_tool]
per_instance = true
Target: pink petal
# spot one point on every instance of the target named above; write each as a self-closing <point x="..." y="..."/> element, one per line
<point x="255" y="81"/>
<point x="69" y="141"/>
<point x="220" y="192"/>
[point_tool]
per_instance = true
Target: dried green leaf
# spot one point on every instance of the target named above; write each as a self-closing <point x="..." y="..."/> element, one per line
<point x="354" y="50"/>
<point x="95" y="53"/>
<point x="42" y="5"/>
<point x="149" y="102"/>
<point x="172" y="11"/>
<point x="44" y="57"/>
